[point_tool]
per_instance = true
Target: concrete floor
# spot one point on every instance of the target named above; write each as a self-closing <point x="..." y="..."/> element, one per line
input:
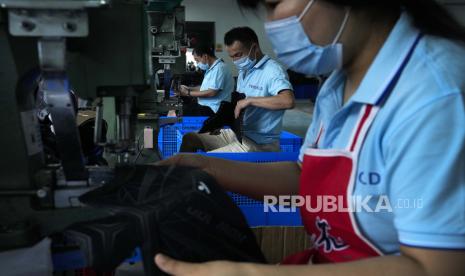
<point x="298" y="119"/>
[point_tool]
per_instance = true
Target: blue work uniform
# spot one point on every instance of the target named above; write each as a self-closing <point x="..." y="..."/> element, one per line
<point x="218" y="77"/>
<point x="414" y="153"/>
<point x="266" y="79"/>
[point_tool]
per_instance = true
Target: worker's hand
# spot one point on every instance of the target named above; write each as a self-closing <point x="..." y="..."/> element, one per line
<point x="188" y="160"/>
<point x="171" y="113"/>
<point x="183" y="90"/>
<point x="217" y="268"/>
<point x="242" y="104"/>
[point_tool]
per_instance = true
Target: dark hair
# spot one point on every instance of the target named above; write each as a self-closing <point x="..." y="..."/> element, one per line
<point x="428" y="16"/>
<point x="203" y="49"/>
<point x="245" y="35"/>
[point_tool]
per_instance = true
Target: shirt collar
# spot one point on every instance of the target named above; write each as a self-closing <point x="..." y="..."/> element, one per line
<point x="332" y="84"/>
<point x="261" y="62"/>
<point x="218" y="60"/>
<point x="388" y="61"/>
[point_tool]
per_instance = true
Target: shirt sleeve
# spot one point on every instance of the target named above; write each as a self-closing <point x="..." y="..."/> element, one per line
<point x="425" y="164"/>
<point x="219" y="79"/>
<point x="278" y="82"/>
<point x="215" y="79"/>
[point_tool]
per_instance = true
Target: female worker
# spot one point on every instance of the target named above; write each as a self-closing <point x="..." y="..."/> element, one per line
<point x="388" y="124"/>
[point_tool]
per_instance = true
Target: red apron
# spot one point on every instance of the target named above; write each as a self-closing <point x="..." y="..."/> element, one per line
<point x="331" y="173"/>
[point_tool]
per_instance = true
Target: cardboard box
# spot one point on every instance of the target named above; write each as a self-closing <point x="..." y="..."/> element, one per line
<point x="278" y="242"/>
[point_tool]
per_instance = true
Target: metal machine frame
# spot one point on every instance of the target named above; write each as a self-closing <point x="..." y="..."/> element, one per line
<point x="58" y="45"/>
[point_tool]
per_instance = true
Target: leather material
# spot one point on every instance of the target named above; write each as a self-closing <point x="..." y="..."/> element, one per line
<point x="225" y="117"/>
<point x="178" y="211"/>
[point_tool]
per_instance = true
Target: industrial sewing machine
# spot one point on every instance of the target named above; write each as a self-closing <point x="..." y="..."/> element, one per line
<point x="110" y="50"/>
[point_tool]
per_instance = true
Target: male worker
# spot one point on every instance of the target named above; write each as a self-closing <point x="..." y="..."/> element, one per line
<point x="217" y="84"/>
<point x="268" y="94"/>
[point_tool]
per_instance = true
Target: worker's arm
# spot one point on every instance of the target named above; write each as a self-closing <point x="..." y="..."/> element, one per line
<point x="183" y="88"/>
<point x="284" y="100"/>
<point x="195" y="92"/>
<point x="251" y="179"/>
<point x="204" y="94"/>
<point x="411" y="262"/>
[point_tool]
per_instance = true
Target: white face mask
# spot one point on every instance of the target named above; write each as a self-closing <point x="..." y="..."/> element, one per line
<point x="245" y="63"/>
<point x="203" y="66"/>
<point x="294" y="48"/>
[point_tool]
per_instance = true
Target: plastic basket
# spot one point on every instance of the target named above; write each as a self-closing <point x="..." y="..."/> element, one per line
<point x="256" y="157"/>
<point x="169" y="140"/>
<point x="170" y="137"/>
<point x="191" y="124"/>
<point x="290" y="142"/>
<point x="254" y="210"/>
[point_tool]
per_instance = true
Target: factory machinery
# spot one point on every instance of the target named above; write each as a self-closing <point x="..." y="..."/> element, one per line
<point x="54" y="53"/>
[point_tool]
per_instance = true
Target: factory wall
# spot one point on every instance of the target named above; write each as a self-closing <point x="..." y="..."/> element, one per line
<point x="458" y="10"/>
<point x="226" y="14"/>
<point x="456" y="7"/>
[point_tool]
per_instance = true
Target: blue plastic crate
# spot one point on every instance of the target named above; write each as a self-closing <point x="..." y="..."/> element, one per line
<point x="188" y="124"/>
<point x="290" y="142"/>
<point x="169" y="141"/>
<point x="252" y="209"/>
<point x="191" y="124"/>
<point x="170" y="136"/>
<point x="256" y="157"/>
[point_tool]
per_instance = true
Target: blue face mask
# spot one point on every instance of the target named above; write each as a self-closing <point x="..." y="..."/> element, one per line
<point x="245" y="63"/>
<point x="203" y="66"/>
<point x="295" y="50"/>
